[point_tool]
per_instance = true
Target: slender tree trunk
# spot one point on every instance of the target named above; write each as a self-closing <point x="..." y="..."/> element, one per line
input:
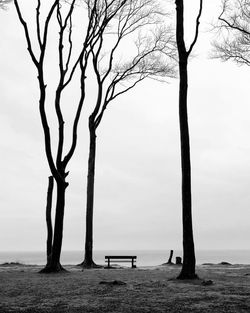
<point x="54" y="263"/>
<point x="188" y="267"/>
<point x="48" y="218"/>
<point x="88" y="258"/>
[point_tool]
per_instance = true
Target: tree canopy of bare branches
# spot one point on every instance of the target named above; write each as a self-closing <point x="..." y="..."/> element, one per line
<point x="234" y="29"/>
<point x="152" y="56"/>
<point x="3" y="4"/>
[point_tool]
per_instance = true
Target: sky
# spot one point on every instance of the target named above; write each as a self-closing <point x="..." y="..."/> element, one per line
<point x="138" y="174"/>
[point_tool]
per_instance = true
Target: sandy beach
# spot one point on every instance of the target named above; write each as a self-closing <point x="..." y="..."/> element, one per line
<point x="221" y="288"/>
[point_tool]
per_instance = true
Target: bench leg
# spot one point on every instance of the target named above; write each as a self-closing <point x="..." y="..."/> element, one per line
<point x="108" y="263"/>
<point x="133" y="266"/>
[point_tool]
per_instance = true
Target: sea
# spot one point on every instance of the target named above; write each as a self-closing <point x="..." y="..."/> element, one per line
<point x="144" y="257"/>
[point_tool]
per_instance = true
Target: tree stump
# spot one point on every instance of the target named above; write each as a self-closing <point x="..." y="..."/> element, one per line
<point x="178" y="260"/>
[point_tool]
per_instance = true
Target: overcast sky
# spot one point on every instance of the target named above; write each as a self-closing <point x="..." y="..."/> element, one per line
<point x="138" y="181"/>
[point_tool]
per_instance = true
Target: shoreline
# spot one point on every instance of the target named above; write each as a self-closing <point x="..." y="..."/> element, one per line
<point x="144" y="257"/>
<point x="13" y="264"/>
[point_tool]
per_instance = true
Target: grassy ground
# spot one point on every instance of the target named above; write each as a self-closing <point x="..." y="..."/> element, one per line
<point x="146" y="290"/>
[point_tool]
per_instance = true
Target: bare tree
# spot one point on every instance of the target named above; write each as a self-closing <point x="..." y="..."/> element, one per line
<point x="66" y="68"/>
<point x="188" y="268"/>
<point x="152" y="56"/>
<point x="234" y="28"/>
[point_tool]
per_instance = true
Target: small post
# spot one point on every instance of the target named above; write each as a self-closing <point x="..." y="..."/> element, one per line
<point x="178" y="260"/>
<point x="170" y="257"/>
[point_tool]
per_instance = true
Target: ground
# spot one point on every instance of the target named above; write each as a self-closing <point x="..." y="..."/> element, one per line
<point x="147" y="290"/>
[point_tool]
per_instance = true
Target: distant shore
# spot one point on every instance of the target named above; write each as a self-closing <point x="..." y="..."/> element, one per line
<point x="221" y="288"/>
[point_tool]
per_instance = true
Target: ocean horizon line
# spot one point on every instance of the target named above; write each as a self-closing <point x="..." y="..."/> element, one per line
<point x="144" y="257"/>
<point x="113" y="249"/>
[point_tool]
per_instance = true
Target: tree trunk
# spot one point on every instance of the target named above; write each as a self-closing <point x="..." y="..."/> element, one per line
<point x="88" y="258"/>
<point x="48" y="218"/>
<point x="54" y="263"/>
<point x="188" y="268"/>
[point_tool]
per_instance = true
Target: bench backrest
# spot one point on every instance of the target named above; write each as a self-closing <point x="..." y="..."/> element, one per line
<point x="119" y="257"/>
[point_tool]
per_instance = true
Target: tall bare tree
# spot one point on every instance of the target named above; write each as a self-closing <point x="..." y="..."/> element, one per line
<point x="188" y="267"/>
<point x="66" y="67"/>
<point x="152" y="56"/>
<point x="234" y="28"/>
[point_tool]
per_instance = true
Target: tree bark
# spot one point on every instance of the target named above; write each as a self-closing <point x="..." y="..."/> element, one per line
<point x="54" y="263"/>
<point x="48" y="218"/>
<point x="88" y="258"/>
<point x="188" y="268"/>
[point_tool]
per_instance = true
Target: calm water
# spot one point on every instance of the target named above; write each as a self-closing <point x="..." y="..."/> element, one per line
<point x="144" y="258"/>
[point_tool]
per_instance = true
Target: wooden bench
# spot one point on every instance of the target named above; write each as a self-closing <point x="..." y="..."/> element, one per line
<point x="121" y="259"/>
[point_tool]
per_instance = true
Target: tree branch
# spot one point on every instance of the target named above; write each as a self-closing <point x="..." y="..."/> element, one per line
<point x="38" y="23"/>
<point x="196" y="29"/>
<point x="27" y="35"/>
<point x="45" y="32"/>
